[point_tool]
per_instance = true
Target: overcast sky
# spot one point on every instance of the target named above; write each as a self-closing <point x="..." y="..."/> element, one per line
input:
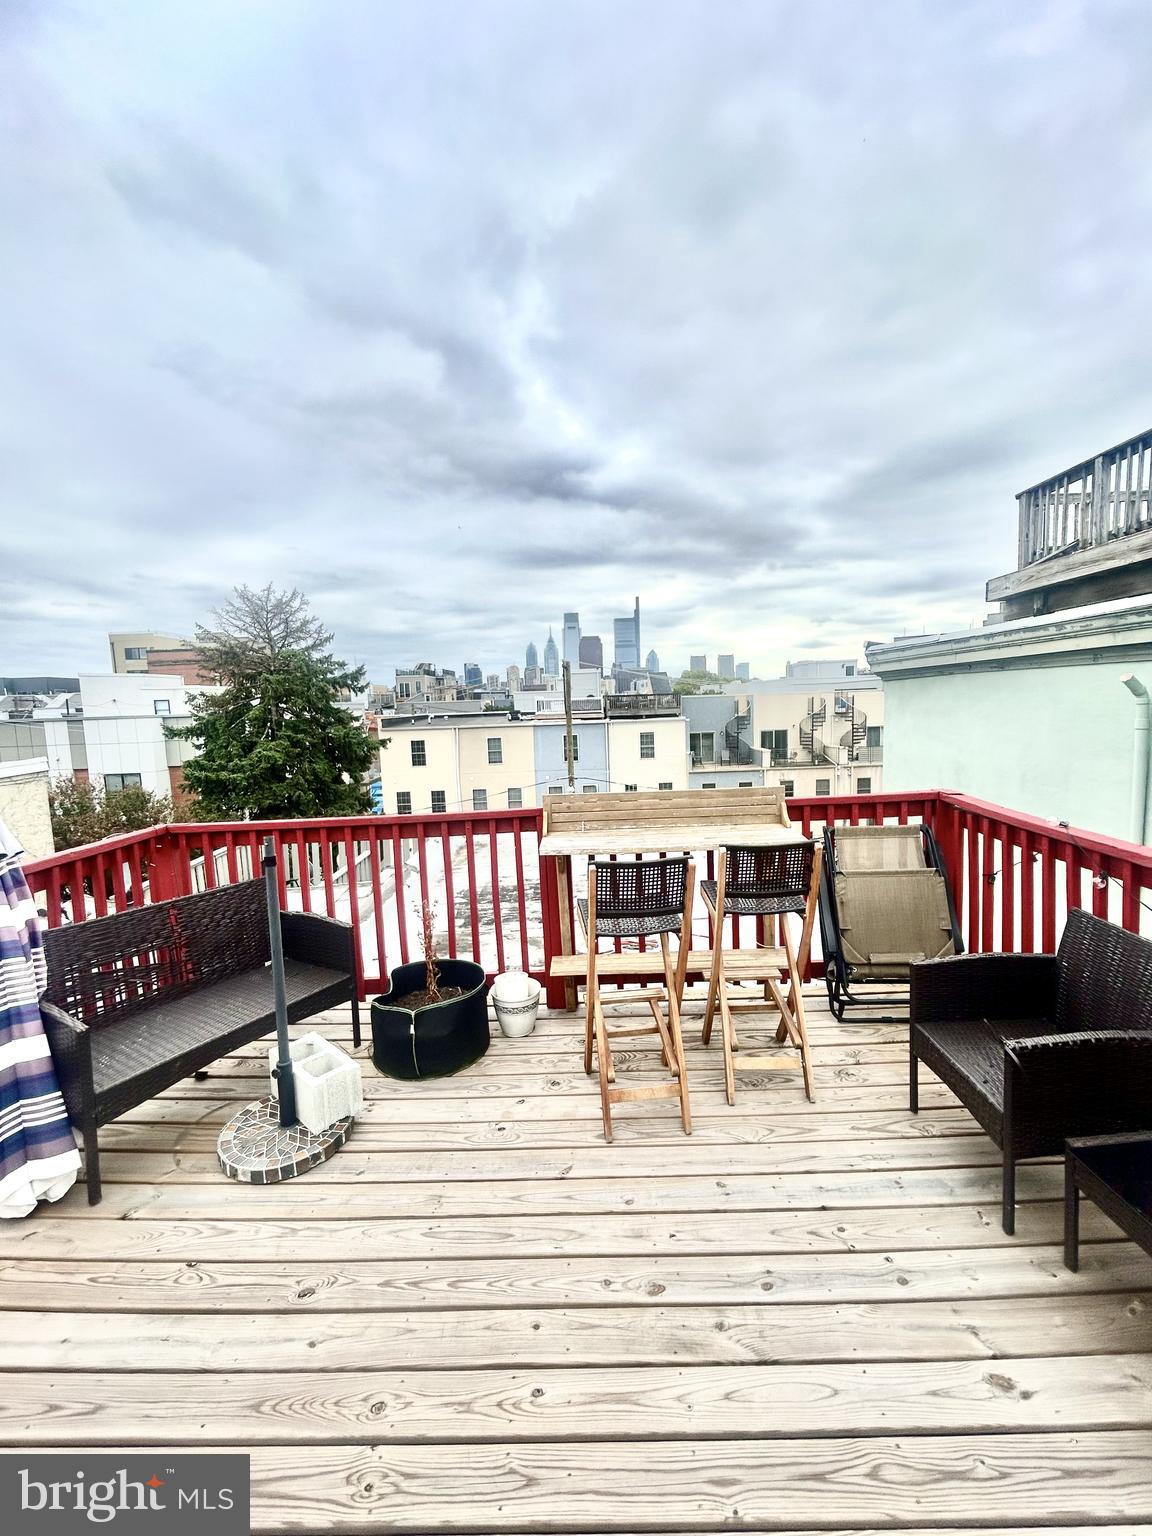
<point x="457" y="315"/>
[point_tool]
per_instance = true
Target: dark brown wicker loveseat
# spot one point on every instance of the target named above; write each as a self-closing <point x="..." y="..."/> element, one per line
<point x="139" y="1000"/>
<point x="1041" y="1047"/>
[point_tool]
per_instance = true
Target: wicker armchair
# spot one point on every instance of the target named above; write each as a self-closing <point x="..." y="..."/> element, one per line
<point x="141" y="999"/>
<point x="1039" y="1048"/>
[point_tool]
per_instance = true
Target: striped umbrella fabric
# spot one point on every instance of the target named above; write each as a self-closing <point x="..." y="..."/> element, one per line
<point x="38" y="1156"/>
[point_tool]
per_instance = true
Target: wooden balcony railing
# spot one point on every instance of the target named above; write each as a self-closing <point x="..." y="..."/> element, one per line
<point x="1100" y="499"/>
<point x="1015" y="877"/>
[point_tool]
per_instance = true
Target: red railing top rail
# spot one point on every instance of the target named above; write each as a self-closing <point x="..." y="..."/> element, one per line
<point x="802" y="808"/>
<point x="1080" y="838"/>
<point x="185" y="830"/>
<point x="66" y="856"/>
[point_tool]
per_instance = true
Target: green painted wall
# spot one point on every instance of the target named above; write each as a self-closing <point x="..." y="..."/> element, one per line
<point x="1054" y="741"/>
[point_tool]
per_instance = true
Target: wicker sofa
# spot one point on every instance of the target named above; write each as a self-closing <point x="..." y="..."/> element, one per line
<point x="141" y="999"/>
<point x="1041" y="1047"/>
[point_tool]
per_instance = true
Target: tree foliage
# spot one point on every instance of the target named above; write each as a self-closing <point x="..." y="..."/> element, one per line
<point x="274" y="742"/>
<point x="84" y="813"/>
<point x="698" y="682"/>
<point x="255" y="631"/>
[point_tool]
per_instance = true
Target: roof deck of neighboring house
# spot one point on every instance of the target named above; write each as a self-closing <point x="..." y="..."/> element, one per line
<point x="1085" y="535"/>
<point x="481" y="1318"/>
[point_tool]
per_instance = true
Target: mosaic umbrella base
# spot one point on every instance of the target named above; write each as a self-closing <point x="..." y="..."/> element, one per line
<point x="256" y="1149"/>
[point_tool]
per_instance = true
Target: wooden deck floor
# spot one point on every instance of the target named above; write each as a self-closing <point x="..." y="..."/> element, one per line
<point x="480" y="1318"/>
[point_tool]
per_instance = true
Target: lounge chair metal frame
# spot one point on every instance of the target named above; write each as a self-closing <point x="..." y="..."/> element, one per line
<point x="839" y="974"/>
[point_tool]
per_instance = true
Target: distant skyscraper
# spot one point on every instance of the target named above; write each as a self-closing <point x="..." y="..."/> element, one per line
<point x="531" y="656"/>
<point x="626" y="635"/>
<point x="744" y="671"/>
<point x="697" y="663"/>
<point x="551" y="657"/>
<point x="652" y="663"/>
<point x="473" y="677"/>
<point x="592" y="651"/>
<point x="726" y="667"/>
<point x="513" y="678"/>
<point x="572" y="639"/>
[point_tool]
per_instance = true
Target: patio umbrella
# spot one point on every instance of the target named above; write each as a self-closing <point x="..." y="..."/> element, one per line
<point x="38" y="1156"/>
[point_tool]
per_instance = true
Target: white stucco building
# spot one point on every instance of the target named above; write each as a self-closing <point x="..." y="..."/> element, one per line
<point x="1031" y="714"/>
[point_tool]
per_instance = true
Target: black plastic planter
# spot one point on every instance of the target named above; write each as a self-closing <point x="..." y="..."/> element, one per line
<point x="438" y="1040"/>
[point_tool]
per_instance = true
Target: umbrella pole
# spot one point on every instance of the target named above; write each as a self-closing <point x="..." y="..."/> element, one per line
<point x="285" y="1078"/>
<point x="265" y="1142"/>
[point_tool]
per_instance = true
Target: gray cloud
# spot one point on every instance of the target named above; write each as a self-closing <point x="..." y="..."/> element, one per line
<point x="459" y="316"/>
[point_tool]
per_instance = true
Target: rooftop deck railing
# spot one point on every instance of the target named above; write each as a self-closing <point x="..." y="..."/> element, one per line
<point x="495" y="899"/>
<point x="1103" y="498"/>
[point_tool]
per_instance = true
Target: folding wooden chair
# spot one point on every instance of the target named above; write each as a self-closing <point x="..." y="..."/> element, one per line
<point x="765" y="883"/>
<point x="633" y="899"/>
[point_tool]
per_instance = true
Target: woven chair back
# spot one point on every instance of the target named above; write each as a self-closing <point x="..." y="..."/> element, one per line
<point x="1105" y="977"/>
<point x="767" y="880"/>
<point x="112" y="967"/>
<point x="641" y="888"/>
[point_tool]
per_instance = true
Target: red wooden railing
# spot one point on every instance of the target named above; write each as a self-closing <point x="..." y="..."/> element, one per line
<point x="495" y="900"/>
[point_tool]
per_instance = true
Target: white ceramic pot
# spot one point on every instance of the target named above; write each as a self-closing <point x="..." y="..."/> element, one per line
<point x="516" y="998"/>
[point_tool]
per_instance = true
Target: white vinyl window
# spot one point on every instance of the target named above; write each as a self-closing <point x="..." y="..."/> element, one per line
<point x="403" y="802"/>
<point x="419" y="755"/>
<point x="495" y="749"/>
<point x="647" y="743"/>
<point x="479" y="799"/>
<point x="439" y="800"/>
<point x="515" y="799"/>
<point x="823" y="786"/>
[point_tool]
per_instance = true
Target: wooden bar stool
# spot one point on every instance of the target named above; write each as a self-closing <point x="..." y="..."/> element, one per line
<point x="634" y="899"/>
<point x="765" y="883"/>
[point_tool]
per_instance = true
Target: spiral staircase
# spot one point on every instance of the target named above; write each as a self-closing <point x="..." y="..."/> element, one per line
<point x="811" y="741"/>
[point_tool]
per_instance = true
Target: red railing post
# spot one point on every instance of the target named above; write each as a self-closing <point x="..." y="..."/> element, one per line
<point x="169" y="874"/>
<point x="945" y="819"/>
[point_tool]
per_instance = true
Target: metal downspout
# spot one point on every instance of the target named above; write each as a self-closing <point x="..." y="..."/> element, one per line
<point x="1140" y="737"/>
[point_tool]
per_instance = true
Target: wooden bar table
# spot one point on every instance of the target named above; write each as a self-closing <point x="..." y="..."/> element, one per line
<point x="666" y="821"/>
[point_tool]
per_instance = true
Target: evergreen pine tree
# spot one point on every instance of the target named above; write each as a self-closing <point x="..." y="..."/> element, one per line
<point x="275" y="741"/>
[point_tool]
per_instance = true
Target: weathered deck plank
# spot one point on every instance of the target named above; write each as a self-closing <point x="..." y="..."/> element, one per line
<point x="802" y="1484"/>
<point x="308" y="1285"/>
<point x="588" y="1336"/>
<point x="566" y="1403"/>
